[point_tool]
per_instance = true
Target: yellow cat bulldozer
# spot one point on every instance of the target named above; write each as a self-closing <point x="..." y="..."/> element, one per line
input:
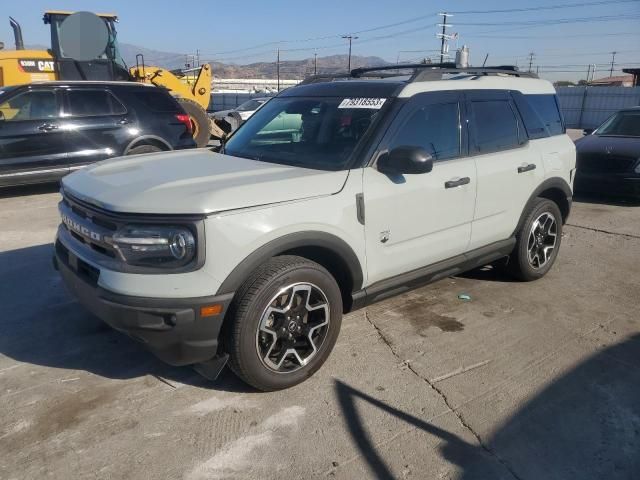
<point x="84" y="46"/>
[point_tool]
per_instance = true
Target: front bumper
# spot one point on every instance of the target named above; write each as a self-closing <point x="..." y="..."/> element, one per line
<point x="171" y="328"/>
<point x="615" y="184"/>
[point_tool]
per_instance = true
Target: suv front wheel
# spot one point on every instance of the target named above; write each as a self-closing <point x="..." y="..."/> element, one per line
<point x="284" y="323"/>
<point x="538" y="241"/>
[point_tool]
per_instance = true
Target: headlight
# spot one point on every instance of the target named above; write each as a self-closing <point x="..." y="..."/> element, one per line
<point x="152" y="246"/>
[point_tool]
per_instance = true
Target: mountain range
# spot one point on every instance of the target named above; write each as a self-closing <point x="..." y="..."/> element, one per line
<point x="289" y="69"/>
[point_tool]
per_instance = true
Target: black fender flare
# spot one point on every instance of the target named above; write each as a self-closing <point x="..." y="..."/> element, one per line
<point x="134" y="143"/>
<point x="293" y="241"/>
<point x="554" y="183"/>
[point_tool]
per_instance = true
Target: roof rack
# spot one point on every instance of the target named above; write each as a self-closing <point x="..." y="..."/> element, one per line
<point x="422" y="72"/>
<point x="428" y="71"/>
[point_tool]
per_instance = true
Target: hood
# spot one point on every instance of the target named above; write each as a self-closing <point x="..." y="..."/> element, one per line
<point x="618" y="146"/>
<point x="194" y="182"/>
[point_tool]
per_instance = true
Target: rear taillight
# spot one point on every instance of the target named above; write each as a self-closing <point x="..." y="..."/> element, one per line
<point x="184" y="118"/>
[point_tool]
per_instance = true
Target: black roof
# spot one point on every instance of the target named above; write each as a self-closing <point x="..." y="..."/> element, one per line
<point x="351" y="88"/>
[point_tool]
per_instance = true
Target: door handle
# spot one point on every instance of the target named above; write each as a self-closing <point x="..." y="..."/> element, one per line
<point x="47" y="127"/>
<point x="458" y="182"/>
<point x="124" y="121"/>
<point x="526" y="168"/>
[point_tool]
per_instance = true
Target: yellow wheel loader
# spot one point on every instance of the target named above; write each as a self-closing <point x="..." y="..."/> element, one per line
<point x="84" y="46"/>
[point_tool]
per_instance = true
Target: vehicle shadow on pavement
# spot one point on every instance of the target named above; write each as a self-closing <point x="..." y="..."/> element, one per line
<point x="41" y="324"/>
<point x="23" y="191"/>
<point x="602" y="199"/>
<point x="490" y="273"/>
<point x="586" y="424"/>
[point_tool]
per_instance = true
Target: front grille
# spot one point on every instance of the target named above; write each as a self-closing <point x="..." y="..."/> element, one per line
<point x="603" y="163"/>
<point x="97" y="226"/>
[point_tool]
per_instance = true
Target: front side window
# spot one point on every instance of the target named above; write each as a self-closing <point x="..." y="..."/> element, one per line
<point x="623" y="124"/>
<point x="84" y="103"/>
<point x="309" y="132"/>
<point x="435" y="128"/>
<point x="495" y="125"/>
<point x="35" y="105"/>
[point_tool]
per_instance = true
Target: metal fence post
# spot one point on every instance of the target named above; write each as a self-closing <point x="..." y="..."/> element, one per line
<point x="584" y="100"/>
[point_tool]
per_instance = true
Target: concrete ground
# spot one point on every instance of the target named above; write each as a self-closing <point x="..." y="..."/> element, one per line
<point x="524" y="381"/>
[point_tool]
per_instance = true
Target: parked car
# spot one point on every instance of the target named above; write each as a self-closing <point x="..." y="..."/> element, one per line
<point x="49" y="129"/>
<point x="608" y="159"/>
<point x="245" y="110"/>
<point x="253" y="255"/>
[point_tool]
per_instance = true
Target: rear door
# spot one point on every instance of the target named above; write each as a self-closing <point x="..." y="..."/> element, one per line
<point x="509" y="168"/>
<point x="32" y="142"/>
<point x="95" y="122"/>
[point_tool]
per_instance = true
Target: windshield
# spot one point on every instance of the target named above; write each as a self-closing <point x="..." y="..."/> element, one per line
<point x="624" y="124"/>
<point x="319" y="133"/>
<point x="250" y="106"/>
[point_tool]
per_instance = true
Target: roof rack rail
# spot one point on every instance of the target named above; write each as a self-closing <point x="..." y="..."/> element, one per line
<point x="422" y="72"/>
<point x="426" y="71"/>
<point x="358" y="72"/>
<point x="324" y="77"/>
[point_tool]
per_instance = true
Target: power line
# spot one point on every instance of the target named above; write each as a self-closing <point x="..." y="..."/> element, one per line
<point x="548" y="7"/>
<point x="558" y="21"/>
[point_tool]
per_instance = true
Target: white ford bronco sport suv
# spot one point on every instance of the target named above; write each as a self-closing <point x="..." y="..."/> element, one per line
<point x="339" y="192"/>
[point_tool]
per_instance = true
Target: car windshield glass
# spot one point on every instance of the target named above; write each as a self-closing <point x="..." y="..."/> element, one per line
<point x="624" y="124"/>
<point x="249" y="106"/>
<point x="319" y="133"/>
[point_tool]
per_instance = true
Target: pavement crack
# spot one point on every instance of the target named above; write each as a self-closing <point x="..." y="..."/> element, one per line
<point x="463" y="422"/>
<point x="600" y="230"/>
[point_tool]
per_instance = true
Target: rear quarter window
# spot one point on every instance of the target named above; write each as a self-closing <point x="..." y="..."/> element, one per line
<point x="83" y="103"/>
<point x="157" y="100"/>
<point x="546" y="106"/>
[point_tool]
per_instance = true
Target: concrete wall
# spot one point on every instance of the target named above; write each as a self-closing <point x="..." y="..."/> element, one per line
<point x="588" y="107"/>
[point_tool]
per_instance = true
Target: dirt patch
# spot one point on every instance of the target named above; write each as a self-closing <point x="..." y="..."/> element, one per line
<point x="418" y="312"/>
<point x="63" y="415"/>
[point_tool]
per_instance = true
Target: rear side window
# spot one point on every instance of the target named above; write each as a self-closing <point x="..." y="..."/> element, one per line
<point x="436" y="128"/>
<point x="157" y="100"/>
<point x="495" y="125"/>
<point x="84" y="103"/>
<point x="546" y="106"/>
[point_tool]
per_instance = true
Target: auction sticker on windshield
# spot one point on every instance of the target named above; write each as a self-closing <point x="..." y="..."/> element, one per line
<point x="373" y="103"/>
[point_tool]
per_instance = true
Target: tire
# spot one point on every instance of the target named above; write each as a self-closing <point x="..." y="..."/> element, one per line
<point x="531" y="258"/>
<point x="199" y="121"/>
<point x="253" y="350"/>
<point x="144" y="149"/>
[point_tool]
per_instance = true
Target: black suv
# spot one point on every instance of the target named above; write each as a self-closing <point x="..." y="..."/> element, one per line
<point x="50" y="129"/>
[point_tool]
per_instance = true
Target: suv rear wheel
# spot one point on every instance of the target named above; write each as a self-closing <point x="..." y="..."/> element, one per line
<point x="538" y="241"/>
<point x="144" y="149"/>
<point x="284" y="323"/>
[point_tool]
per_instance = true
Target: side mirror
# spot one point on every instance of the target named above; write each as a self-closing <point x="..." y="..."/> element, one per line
<point x="588" y="131"/>
<point x="406" y="159"/>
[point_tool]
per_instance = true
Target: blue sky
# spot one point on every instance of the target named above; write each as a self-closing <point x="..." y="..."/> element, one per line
<point x="246" y="31"/>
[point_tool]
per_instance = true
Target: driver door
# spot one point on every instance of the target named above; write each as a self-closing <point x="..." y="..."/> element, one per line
<point x="415" y="220"/>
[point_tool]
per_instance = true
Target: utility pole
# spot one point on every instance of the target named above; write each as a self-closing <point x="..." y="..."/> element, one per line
<point x="531" y="55"/>
<point x="443" y="36"/>
<point x="613" y="59"/>
<point x="315" y="63"/>
<point x="278" y="68"/>
<point x="350" y="38"/>
<point x="588" y="72"/>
